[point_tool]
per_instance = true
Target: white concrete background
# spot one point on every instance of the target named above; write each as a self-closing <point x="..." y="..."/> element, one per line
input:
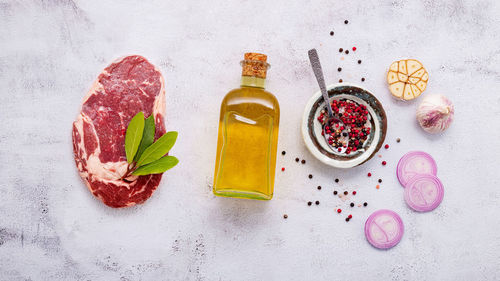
<point x="52" y="228"/>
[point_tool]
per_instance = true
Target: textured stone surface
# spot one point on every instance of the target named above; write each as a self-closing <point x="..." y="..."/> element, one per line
<point x="51" y="227"/>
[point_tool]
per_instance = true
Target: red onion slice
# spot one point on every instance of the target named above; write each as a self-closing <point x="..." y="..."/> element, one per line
<point x="414" y="163"/>
<point x="384" y="229"/>
<point x="424" y="193"/>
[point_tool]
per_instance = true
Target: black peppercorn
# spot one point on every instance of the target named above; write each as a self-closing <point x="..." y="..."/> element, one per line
<point x="344" y="134"/>
<point x="310" y="176"/>
<point x="339" y="69"/>
<point x="303" y="161"/>
<point x="317" y="202"/>
<point x="346" y="21"/>
<point x="283" y="152"/>
<point x="398" y="140"/>
<point x="359" y="61"/>
<point x="297" y="159"/>
<point x="341" y="50"/>
<point x="319" y="187"/>
<point x="336" y="180"/>
<point x="309" y="203"/>
<point x="346" y="52"/>
<point x="352" y="204"/>
<point x="363" y="79"/>
<point x="345" y="192"/>
<point x="340" y="80"/>
<point x="285" y="216"/>
<point x="379" y="180"/>
<point x="331" y="33"/>
<point x="335" y="192"/>
<point x="346" y="219"/>
<point x="365" y="204"/>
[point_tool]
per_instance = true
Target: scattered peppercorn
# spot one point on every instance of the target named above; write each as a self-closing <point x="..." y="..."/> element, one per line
<point x="331" y="33"/>
<point x="346" y="52"/>
<point x="303" y="161"/>
<point x="352" y="204"/>
<point x="354" y="192"/>
<point x="310" y="176"/>
<point x="283" y="169"/>
<point x="383" y="163"/>
<point x="297" y="159"/>
<point x="365" y="204"/>
<point x="359" y="61"/>
<point x="346" y="21"/>
<point x="309" y="203"/>
<point x="347" y="219"/>
<point x="363" y="79"/>
<point x="285" y="216"/>
<point x="341" y="50"/>
<point x="317" y="202"/>
<point x="335" y="192"/>
<point x="339" y="211"/>
<point x="386" y="146"/>
<point x="378" y="186"/>
<point x="369" y="174"/>
<point x="340" y="80"/>
<point x="319" y="187"/>
<point x="283" y="152"/>
<point x="345" y="192"/>
<point x="379" y="180"/>
<point x="354" y="48"/>
<point x="336" y="180"/>
<point x="398" y="140"/>
<point x="339" y="69"/>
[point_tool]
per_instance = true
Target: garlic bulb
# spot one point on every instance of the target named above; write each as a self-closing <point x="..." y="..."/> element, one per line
<point x="435" y="113"/>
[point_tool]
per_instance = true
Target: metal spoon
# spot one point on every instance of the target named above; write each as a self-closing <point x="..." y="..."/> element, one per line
<point x="318" y="72"/>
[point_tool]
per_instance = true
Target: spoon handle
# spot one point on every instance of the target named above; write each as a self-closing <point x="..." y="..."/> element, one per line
<point x="318" y="72"/>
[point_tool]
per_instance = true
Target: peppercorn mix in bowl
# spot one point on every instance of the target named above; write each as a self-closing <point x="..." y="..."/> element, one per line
<point x="356" y="133"/>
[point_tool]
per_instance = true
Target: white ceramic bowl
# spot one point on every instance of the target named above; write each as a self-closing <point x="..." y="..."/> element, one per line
<point x="316" y="143"/>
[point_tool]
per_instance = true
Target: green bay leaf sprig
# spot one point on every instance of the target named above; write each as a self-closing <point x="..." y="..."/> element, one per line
<point x="144" y="155"/>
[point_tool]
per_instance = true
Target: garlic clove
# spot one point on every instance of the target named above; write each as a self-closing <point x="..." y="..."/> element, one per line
<point x="402" y="77"/>
<point x="421" y="85"/>
<point x="413" y="65"/>
<point x="425" y="77"/>
<point x="397" y="89"/>
<point x="394" y="66"/>
<point x="416" y="91"/>
<point x="419" y="73"/>
<point x="407" y="93"/>
<point x="402" y="67"/>
<point x="392" y="77"/>
<point x="413" y="80"/>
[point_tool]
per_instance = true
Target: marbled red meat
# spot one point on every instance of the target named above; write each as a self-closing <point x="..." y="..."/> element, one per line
<point x="127" y="86"/>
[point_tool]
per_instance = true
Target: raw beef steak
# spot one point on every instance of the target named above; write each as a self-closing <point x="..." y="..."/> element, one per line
<point x="127" y="86"/>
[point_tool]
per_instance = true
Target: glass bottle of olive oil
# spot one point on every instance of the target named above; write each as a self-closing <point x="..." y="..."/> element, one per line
<point x="248" y="136"/>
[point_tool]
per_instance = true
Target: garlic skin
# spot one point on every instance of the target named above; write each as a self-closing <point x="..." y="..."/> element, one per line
<point x="435" y="113"/>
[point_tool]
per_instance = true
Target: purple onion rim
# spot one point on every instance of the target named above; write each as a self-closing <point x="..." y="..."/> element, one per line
<point x="399" y="171"/>
<point x="437" y="201"/>
<point x="391" y="243"/>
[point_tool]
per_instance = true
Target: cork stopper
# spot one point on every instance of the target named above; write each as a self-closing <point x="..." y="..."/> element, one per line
<point x="255" y="65"/>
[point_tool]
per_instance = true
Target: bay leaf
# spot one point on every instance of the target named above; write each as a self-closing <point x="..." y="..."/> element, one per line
<point x="133" y="136"/>
<point x="148" y="136"/>
<point x="158" y="149"/>
<point x="157" y="167"/>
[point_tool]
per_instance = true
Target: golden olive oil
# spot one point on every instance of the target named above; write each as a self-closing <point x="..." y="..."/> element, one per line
<point x="248" y="136"/>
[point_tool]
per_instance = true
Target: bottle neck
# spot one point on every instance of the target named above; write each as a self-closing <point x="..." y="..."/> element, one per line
<point x="252" y="81"/>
